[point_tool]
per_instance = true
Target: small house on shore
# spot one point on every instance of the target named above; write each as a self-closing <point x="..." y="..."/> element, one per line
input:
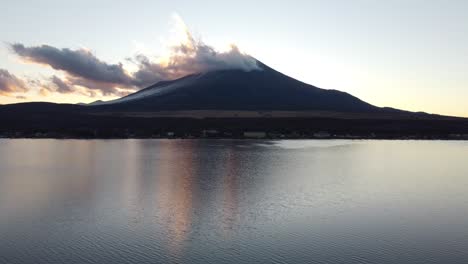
<point x="255" y="134"/>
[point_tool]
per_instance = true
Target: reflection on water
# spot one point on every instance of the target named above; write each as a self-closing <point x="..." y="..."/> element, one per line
<point x="175" y="189"/>
<point x="213" y="201"/>
<point x="230" y="203"/>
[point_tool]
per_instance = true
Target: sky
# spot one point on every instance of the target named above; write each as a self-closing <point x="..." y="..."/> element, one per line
<point x="411" y="55"/>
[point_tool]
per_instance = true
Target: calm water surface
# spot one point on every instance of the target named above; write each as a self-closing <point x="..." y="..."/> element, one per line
<point x="228" y="201"/>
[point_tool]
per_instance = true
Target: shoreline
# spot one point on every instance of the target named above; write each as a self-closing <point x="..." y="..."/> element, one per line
<point x="403" y="138"/>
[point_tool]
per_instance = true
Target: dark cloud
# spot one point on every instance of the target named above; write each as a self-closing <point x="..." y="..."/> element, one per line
<point x="9" y="83"/>
<point x="62" y="86"/>
<point x="79" y="63"/>
<point x="81" y="66"/>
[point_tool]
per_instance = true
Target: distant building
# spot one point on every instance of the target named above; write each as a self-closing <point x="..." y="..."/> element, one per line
<point x="210" y="133"/>
<point x="458" y="136"/>
<point x="255" y="134"/>
<point x="275" y="135"/>
<point x="170" y="134"/>
<point x="322" y="134"/>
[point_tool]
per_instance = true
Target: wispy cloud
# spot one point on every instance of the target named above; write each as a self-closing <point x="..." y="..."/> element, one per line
<point x="62" y="86"/>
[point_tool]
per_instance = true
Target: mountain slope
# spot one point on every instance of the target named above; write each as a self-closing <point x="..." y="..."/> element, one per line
<point x="257" y="90"/>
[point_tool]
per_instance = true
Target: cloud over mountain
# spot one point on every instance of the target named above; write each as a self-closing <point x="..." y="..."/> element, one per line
<point x="84" y="69"/>
<point x="190" y="56"/>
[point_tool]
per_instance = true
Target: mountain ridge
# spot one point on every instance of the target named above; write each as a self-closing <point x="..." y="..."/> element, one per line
<point x="255" y="90"/>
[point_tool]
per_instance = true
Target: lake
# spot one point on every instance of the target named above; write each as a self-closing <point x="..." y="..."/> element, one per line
<point x="233" y="201"/>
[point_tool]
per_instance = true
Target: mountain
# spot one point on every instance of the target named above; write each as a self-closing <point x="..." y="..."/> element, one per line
<point x="255" y="90"/>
